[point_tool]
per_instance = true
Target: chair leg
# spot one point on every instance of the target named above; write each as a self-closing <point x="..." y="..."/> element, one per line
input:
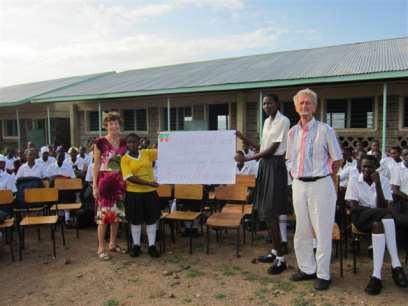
<point x="63" y="233"/>
<point x="237" y="242"/>
<point x="11" y="243"/>
<point x="54" y="250"/>
<point x="341" y="257"/>
<point x="172" y="229"/>
<point x="244" y="233"/>
<point x="253" y="229"/>
<point x="208" y="239"/>
<point x="77" y="229"/>
<point x="353" y="245"/>
<point x="191" y="238"/>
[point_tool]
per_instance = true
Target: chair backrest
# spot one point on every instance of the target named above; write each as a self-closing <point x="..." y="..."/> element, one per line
<point x="68" y="184"/>
<point x="6" y="197"/>
<point x="188" y="192"/>
<point x="231" y="193"/>
<point x="165" y="191"/>
<point x="40" y="195"/>
<point x="245" y="180"/>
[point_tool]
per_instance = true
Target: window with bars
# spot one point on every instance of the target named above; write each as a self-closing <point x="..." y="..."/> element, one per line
<point x="10" y="128"/>
<point x="350" y="113"/>
<point x="178" y="116"/>
<point x="135" y="120"/>
<point x="93" y="121"/>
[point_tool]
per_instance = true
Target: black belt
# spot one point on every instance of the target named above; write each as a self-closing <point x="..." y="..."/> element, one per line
<point x="311" y="178"/>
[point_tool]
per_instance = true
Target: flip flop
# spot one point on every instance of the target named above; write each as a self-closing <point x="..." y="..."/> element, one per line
<point x="104" y="256"/>
<point x="117" y="249"/>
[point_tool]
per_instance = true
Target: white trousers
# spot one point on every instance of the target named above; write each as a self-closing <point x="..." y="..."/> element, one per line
<point x="315" y="205"/>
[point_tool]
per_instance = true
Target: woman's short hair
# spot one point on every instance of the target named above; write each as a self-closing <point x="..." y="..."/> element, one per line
<point x="306" y="92"/>
<point x="112" y="116"/>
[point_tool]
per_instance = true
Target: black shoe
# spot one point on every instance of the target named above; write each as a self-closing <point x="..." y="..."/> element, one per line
<point x="269" y="258"/>
<point x="399" y="277"/>
<point x="153" y="251"/>
<point x="284" y="248"/>
<point x="135" y="251"/>
<point x="302" y="276"/>
<point x="277" y="267"/>
<point x="322" y="284"/>
<point x="374" y="286"/>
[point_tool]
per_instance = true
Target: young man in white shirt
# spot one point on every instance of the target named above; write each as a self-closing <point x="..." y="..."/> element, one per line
<point x="45" y="159"/>
<point x="30" y="168"/>
<point x="369" y="196"/>
<point x="349" y="163"/>
<point x="7" y="181"/>
<point x="76" y="162"/>
<point x="392" y="160"/>
<point x="399" y="182"/>
<point x="245" y="168"/>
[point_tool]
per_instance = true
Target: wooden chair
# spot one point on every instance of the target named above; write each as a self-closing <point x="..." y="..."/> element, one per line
<point x="46" y="196"/>
<point x="337" y="238"/>
<point x="245" y="180"/>
<point x="231" y="216"/>
<point x="68" y="184"/>
<point x="186" y="192"/>
<point x="355" y="240"/>
<point x="7" y="199"/>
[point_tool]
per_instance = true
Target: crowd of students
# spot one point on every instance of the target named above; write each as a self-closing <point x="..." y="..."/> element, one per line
<point x="374" y="185"/>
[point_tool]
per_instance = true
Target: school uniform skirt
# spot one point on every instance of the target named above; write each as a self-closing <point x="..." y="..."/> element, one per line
<point x="271" y="188"/>
<point x="142" y="207"/>
<point x="364" y="217"/>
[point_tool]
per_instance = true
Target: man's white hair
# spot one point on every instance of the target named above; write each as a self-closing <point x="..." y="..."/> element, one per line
<point x="306" y="92"/>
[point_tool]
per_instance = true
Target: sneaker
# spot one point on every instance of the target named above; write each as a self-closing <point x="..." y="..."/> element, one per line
<point x="302" y="276"/>
<point x="399" y="277"/>
<point x="322" y="284"/>
<point x="277" y="267"/>
<point x="268" y="258"/>
<point x="374" y="286"/>
<point x="153" y="251"/>
<point x="135" y="251"/>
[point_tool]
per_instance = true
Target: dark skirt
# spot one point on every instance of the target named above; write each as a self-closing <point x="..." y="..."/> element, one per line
<point x="364" y="217"/>
<point x="142" y="207"/>
<point x="271" y="188"/>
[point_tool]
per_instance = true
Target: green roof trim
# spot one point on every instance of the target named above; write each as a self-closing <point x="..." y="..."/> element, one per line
<point x="232" y="86"/>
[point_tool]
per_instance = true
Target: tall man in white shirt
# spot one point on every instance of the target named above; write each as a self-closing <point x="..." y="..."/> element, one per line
<point x="312" y="147"/>
<point x="369" y="195"/>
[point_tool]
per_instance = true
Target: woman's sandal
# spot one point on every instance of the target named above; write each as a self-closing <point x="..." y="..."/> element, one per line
<point x="117" y="249"/>
<point x="104" y="256"/>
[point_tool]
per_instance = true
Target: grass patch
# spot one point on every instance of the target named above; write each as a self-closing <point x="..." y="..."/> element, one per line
<point x="220" y="296"/>
<point x="187" y="300"/>
<point x="284" y="286"/>
<point x="260" y="293"/>
<point x="301" y="301"/>
<point x="227" y="271"/>
<point x="111" y="302"/>
<point x="193" y="273"/>
<point x="265" y="280"/>
<point x="250" y="276"/>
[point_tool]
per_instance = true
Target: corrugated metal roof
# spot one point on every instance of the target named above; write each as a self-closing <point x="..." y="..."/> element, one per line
<point x="18" y="94"/>
<point x="357" y="61"/>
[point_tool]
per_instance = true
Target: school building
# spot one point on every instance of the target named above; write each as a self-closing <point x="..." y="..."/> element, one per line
<point x="362" y="88"/>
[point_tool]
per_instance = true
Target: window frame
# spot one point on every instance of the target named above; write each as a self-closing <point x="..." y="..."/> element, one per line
<point x="177" y="117"/>
<point x="3" y="129"/>
<point x="134" y="110"/>
<point x="403" y="102"/>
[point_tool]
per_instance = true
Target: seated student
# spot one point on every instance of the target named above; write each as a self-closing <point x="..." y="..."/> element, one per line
<point x="141" y="201"/>
<point x="7" y="181"/>
<point x="59" y="168"/>
<point x="45" y="159"/>
<point x="11" y="157"/>
<point x="369" y="195"/>
<point x="399" y="182"/>
<point x="76" y="162"/>
<point x="30" y="168"/>
<point x="245" y="168"/>
<point x="248" y="151"/>
<point x="393" y="159"/>
<point x="85" y="156"/>
<point x="349" y="163"/>
<point x="375" y="149"/>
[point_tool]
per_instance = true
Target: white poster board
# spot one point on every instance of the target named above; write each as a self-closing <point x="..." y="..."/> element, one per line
<point x="200" y="157"/>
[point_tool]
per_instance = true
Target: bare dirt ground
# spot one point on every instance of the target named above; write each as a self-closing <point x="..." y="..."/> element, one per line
<point x="77" y="277"/>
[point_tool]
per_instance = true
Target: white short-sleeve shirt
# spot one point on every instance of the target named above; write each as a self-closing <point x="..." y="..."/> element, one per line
<point x="275" y="130"/>
<point x="399" y="177"/>
<point x="54" y="170"/>
<point x="344" y="173"/>
<point x="10" y="162"/>
<point x="45" y="164"/>
<point x="26" y="171"/>
<point x="358" y="190"/>
<point x="249" y="168"/>
<point x="7" y="181"/>
<point x="89" y="173"/>
<point x="79" y="162"/>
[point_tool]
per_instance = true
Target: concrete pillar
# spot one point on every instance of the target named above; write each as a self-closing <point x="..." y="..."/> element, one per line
<point x="241" y="116"/>
<point x="74" y="125"/>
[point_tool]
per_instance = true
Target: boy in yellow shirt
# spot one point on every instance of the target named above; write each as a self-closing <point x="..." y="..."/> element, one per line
<point x="142" y="202"/>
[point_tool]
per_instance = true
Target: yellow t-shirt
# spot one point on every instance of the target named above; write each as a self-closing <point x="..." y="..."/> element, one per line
<point x="142" y="167"/>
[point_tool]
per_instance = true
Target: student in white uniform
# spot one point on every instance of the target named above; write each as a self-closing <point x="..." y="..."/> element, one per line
<point x="375" y="149"/>
<point x="349" y="163"/>
<point x="85" y="156"/>
<point x="76" y="162"/>
<point x="45" y="159"/>
<point x="369" y="196"/>
<point x="7" y="181"/>
<point x="59" y="168"/>
<point x="30" y="168"/>
<point x="399" y="182"/>
<point x="245" y="168"/>
<point x="392" y="160"/>
<point x="11" y="157"/>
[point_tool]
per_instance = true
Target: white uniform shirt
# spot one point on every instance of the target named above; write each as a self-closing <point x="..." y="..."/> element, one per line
<point x="26" y="171"/>
<point x="45" y="164"/>
<point x="7" y="181"/>
<point x="65" y="170"/>
<point x="249" y="168"/>
<point x="89" y="173"/>
<point x="79" y="162"/>
<point x="10" y="162"/>
<point x="344" y="173"/>
<point x="399" y="177"/>
<point x="358" y="190"/>
<point x="390" y="163"/>
<point x="275" y="130"/>
<point x="87" y="159"/>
